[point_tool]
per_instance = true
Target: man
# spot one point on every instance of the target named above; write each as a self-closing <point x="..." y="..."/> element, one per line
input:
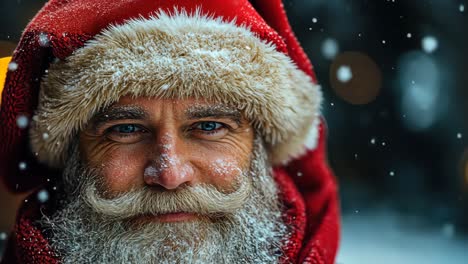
<point x="166" y="132"/>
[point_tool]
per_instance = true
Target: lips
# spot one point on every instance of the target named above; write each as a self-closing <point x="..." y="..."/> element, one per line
<point x="168" y="218"/>
<point x="176" y="217"/>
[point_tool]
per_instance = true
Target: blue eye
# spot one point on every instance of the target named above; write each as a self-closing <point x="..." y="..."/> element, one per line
<point x="126" y="133"/>
<point x="126" y="129"/>
<point x="209" y="126"/>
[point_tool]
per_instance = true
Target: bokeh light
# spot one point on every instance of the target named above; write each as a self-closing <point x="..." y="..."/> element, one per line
<point x="330" y="48"/>
<point x="355" y="78"/>
<point x="464" y="169"/>
<point x="419" y="82"/>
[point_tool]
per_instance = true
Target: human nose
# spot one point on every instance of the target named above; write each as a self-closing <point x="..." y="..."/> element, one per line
<point x="168" y="168"/>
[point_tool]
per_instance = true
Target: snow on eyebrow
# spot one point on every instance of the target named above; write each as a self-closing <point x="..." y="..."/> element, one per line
<point x="216" y="111"/>
<point x="119" y="113"/>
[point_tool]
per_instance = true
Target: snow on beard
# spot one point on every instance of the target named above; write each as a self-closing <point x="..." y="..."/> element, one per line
<point x="244" y="226"/>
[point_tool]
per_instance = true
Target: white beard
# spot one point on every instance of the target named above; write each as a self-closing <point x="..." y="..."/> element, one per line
<point x="252" y="232"/>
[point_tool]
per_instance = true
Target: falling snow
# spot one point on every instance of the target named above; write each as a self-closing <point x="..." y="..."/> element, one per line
<point x="43" y="196"/>
<point x="344" y="74"/>
<point x="12" y="66"/>
<point x="329" y="50"/>
<point x="44" y="40"/>
<point x="429" y="44"/>
<point x="22" y="165"/>
<point x="22" y="121"/>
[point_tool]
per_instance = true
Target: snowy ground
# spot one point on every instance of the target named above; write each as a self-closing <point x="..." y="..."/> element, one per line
<point x="385" y="238"/>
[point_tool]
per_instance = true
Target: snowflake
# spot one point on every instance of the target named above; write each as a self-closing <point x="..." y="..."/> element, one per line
<point x="429" y="44"/>
<point x="42" y="196"/>
<point x="344" y="74"/>
<point x="22" y="165"/>
<point x="22" y="121"/>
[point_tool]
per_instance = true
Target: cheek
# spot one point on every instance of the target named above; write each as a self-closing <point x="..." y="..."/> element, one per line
<point x="222" y="167"/>
<point x="225" y="171"/>
<point x="120" y="167"/>
<point x="220" y="164"/>
<point x="120" y="172"/>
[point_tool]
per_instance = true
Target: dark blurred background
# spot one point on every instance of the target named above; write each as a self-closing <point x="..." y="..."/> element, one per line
<point x="393" y="73"/>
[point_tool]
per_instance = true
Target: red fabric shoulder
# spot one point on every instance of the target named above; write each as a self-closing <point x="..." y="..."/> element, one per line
<point x="317" y="186"/>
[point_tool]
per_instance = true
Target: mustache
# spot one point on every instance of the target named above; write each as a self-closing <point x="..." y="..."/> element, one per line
<point x="200" y="199"/>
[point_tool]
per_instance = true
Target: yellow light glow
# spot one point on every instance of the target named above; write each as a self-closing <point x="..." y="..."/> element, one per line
<point x="466" y="173"/>
<point x="463" y="168"/>
<point x="3" y="71"/>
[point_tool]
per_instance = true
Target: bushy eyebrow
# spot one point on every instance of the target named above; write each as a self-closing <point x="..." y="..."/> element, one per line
<point x="213" y="111"/>
<point x="114" y="113"/>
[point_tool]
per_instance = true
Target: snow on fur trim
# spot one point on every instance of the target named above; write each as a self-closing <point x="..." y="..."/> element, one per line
<point x="178" y="56"/>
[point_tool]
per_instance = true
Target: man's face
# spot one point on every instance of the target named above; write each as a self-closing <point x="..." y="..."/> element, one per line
<point x="167" y="144"/>
<point x="185" y="181"/>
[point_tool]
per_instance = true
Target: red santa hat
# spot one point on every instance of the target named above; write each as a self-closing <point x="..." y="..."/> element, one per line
<point x="78" y="57"/>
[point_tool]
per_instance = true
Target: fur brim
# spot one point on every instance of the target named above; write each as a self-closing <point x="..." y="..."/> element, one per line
<point x="179" y="56"/>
